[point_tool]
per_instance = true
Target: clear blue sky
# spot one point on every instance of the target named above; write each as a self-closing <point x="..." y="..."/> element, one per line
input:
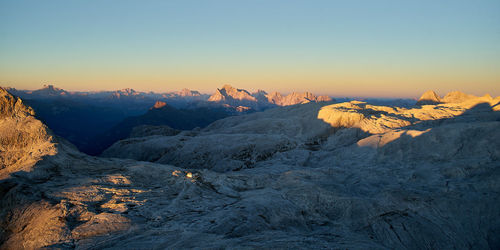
<point x="379" y="48"/>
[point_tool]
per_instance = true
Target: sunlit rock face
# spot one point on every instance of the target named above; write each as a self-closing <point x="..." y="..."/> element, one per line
<point x="229" y="94"/>
<point x="348" y="175"/>
<point x="260" y="100"/>
<point x="23" y="139"/>
<point x="159" y="104"/>
<point x="429" y="98"/>
<point x="295" y="98"/>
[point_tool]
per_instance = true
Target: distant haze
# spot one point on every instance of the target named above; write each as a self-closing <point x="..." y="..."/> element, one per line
<point x="338" y="48"/>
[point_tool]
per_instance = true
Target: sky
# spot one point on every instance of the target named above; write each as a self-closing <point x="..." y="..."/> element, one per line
<point x="341" y="48"/>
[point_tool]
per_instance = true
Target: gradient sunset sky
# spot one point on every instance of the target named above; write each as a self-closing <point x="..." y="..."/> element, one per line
<point x="342" y="48"/>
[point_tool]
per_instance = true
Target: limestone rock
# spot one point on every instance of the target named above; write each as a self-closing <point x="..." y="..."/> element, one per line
<point x="349" y="175"/>
<point x="429" y="97"/>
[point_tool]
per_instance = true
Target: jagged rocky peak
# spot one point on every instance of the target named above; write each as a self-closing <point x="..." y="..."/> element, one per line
<point x="275" y="94"/>
<point x="229" y="92"/>
<point x="218" y="96"/>
<point x="159" y="105"/>
<point x="11" y="106"/>
<point x="23" y="139"/>
<point x="260" y="95"/>
<point x="295" y="98"/>
<point x="429" y="98"/>
<point x="262" y="99"/>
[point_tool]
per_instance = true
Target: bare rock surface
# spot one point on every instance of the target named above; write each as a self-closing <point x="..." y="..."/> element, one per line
<point x="429" y="97"/>
<point x="231" y="144"/>
<point x="148" y="130"/>
<point x="23" y="139"/>
<point x="348" y="175"/>
<point x="260" y="100"/>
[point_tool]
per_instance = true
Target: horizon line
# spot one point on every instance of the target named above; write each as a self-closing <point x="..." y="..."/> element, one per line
<point x="80" y="90"/>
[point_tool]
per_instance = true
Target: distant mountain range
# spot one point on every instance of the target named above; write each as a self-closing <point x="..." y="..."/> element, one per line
<point x="227" y="96"/>
<point x="132" y="99"/>
<point x="261" y="100"/>
<point x="93" y="120"/>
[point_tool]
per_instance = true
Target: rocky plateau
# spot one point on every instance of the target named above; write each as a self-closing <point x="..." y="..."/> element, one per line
<point x="349" y="175"/>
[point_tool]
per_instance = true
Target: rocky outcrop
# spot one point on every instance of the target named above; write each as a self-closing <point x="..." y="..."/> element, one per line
<point x="457" y="97"/>
<point x="53" y="196"/>
<point x="295" y="98"/>
<point x="232" y="96"/>
<point x="23" y="139"/>
<point x="429" y="98"/>
<point x="13" y="107"/>
<point x="159" y="104"/>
